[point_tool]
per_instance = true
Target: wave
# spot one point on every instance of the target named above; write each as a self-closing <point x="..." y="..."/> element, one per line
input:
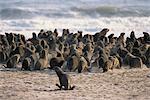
<point x="87" y="25"/>
<point x="113" y="11"/>
<point x="16" y="13"/>
<point x="26" y="13"/>
<point x="30" y="9"/>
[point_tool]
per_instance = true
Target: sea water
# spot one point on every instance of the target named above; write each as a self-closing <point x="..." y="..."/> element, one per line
<point x="90" y="16"/>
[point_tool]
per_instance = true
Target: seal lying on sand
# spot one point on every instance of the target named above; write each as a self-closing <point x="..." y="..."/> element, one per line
<point x="133" y="61"/>
<point x="13" y="61"/>
<point x="64" y="79"/>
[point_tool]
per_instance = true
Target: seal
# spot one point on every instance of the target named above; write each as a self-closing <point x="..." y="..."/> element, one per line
<point x="64" y="79"/>
<point x="133" y="61"/>
<point x="13" y="61"/>
<point x="42" y="62"/>
<point x="26" y="64"/>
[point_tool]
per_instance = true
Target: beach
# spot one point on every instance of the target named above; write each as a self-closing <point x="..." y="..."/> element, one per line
<point x="119" y="84"/>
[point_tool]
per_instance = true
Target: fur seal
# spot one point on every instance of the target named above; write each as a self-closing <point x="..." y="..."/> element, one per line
<point x="26" y="64"/>
<point x="56" y="61"/>
<point x="115" y="61"/>
<point x="83" y="65"/>
<point x="13" y="61"/>
<point x="42" y="63"/>
<point x="3" y="57"/>
<point x="64" y="79"/>
<point x="72" y="63"/>
<point x="133" y="61"/>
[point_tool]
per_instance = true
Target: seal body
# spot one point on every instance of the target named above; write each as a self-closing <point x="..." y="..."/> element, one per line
<point x="64" y="79"/>
<point x="13" y="61"/>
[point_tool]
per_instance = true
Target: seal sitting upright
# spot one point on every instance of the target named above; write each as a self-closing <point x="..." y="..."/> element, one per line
<point x="64" y="79"/>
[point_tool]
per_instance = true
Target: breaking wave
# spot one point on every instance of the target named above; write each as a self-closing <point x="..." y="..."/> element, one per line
<point x="15" y="13"/>
<point x="26" y="16"/>
<point x="113" y="11"/>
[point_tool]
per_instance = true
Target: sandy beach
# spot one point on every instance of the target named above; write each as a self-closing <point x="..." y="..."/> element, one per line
<point x="119" y="84"/>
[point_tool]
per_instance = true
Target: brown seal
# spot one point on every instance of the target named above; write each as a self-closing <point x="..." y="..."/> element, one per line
<point x="64" y="79"/>
<point x="13" y="61"/>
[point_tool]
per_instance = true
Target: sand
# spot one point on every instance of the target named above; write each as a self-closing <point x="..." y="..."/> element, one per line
<point x="119" y="84"/>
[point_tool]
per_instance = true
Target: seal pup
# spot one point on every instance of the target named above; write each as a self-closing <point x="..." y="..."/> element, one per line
<point x="64" y="79"/>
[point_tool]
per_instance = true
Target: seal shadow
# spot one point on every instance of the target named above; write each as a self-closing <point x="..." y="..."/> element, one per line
<point x="46" y="90"/>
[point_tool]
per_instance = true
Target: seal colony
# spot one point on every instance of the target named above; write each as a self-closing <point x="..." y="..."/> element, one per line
<point x="73" y="52"/>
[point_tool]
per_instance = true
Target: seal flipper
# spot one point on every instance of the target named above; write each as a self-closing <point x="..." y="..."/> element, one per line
<point x="72" y="87"/>
<point x="4" y="66"/>
<point x="60" y="87"/>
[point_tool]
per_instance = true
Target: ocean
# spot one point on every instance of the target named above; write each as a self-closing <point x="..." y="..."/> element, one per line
<point x="90" y="16"/>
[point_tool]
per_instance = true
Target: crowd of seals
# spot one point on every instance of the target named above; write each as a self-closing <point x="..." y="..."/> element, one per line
<point x="74" y="51"/>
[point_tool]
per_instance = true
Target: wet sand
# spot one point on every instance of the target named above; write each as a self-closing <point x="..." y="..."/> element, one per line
<point x="119" y="84"/>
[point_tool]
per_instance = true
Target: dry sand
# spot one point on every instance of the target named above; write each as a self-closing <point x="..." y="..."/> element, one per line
<point x="119" y="84"/>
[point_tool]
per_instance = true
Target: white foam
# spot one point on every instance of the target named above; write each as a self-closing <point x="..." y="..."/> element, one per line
<point x="87" y="25"/>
